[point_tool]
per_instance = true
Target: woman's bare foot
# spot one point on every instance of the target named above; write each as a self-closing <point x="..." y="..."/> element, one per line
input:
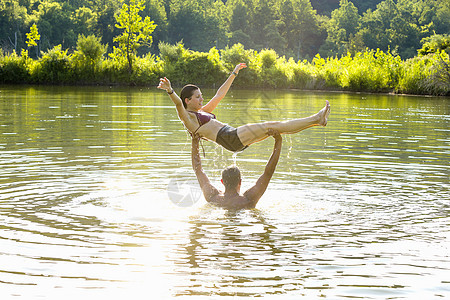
<point x="323" y="114"/>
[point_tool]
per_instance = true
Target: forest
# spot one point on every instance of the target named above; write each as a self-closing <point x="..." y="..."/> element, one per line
<point x="294" y="28"/>
<point x="290" y="37"/>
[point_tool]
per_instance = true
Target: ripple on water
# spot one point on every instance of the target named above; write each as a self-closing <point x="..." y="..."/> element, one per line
<point x="358" y="210"/>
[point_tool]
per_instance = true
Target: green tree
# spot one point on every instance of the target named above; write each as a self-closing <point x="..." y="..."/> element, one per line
<point x="196" y="23"/>
<point x="239" y="23"/>
<point x="32" y="37"/>
<point x="300" y="27"/>
<point x="341" y="28"/>
<point x="13" y="17"/>
<point x="442" y="17"/>
<point x="156" y="11"/>
<point x="435" y="44"/>
<point x="263" y="14"/>
<point x="53" y="20"/>
<point x="84" y="20"/>
<point x="399" y="26"/>
<point x="87" y="57"/>
<point x="136" y="31"/>
<point x="105" y="21"/>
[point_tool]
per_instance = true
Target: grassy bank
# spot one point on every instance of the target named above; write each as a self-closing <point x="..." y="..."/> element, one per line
<point x="370" y="71"/>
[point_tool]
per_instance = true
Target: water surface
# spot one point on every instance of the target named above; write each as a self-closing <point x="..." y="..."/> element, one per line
<point x="95" y="185"/>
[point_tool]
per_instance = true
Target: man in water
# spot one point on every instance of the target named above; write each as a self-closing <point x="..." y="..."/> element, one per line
<point x="231" y="179"/>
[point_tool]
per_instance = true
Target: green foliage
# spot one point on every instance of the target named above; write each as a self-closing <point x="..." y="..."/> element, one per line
<point x="136" y="31"/>
<point x="53" y="67"/>
<point x="84" y="20"/>
<point x="231" y="56"/>
<point x="366" y="71"/>
<point x="341" y="28"/>
<point x="369" y="71"/>
<point x="147" y="70"/>
<point x="86" y="60"/>
<point x="293" y="28"/>
<point x="185" y="66"/>
<point x="171" y="53"/>
<point x="200" y="24"/>
<point x="426" y="75"/>
<point x="435" y="44"/>
<point x="400" y="24"/>
<point x="271" y="74"/>
<point x="14" y="68"/>
<point x="53" y="21"/>
<point x="33" y="36"/>
<point x="89" y="50"/>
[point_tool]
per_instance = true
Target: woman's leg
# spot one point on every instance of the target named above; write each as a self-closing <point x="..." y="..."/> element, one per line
<point x="252" y="133"/>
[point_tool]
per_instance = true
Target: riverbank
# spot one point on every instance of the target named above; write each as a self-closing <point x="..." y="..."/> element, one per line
<point x="370" y="71"/>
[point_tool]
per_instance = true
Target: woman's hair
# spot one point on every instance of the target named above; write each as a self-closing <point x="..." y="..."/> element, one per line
<point x="187" y="92"/>
<point x="231" y="177"/>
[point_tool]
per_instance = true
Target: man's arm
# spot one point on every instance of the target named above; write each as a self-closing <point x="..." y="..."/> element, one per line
<point x="255" y="193"/>
<point x="222" y="91"/>
<point x="209" y="191"/>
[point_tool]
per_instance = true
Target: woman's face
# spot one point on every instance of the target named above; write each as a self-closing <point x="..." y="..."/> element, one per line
<point x="195" y="102"/>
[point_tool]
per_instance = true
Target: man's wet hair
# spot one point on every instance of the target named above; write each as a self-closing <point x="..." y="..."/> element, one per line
<point x="231" y="177"/>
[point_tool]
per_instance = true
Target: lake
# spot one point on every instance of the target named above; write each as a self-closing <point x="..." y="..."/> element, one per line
<point x="98" y="198"/>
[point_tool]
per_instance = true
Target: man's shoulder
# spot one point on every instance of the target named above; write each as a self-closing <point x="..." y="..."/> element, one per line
<point x="235" y="202"/>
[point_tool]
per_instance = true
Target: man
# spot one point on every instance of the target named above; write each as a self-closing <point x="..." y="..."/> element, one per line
<point x="231" y="179"/>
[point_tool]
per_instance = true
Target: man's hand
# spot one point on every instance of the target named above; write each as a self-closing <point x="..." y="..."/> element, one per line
<point x="276" y="135"/>
<point x="255" y="193"/>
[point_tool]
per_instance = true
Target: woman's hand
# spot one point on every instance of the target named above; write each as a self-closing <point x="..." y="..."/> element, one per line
<point x="164" y="84"/>
<point x="239" y="67"/>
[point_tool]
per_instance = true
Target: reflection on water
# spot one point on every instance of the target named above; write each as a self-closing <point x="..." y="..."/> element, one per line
<point x="359" y="209"/>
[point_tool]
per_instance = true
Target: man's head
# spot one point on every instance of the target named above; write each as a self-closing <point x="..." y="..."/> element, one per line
<point x="231" y="178"/>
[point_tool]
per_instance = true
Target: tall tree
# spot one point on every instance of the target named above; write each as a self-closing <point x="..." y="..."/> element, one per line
<point x="342" y="27"/>
<point x="136" y="31"/>
<point x="195" y="23"/>
<point x="399" y="26"/>
<point x="12" y="24"/>
<point x="32" y="37"/>
<point x="55" y="25"/>
<point x="299" y="25"/>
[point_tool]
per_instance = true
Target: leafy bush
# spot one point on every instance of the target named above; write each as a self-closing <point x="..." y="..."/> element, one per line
<point x="171" y="53"/>
<point x="301" y="76"/>
<point x="435" y="44"/>
<point x="14" y="68"/>
<point x="86" y="60"/>
<point x="54" y="67"/>
<point x="327" y="72"/>
<point x="271" y="70"/>
<point x="426" y="75"/>
<point x="370" y="71"/>
<point x="230" y="57"/>
<point x="184" y="66"/>
<point x="146" y="70"/>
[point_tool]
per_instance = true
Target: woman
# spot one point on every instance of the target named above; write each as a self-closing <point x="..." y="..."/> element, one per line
<point x="199" y="119"/>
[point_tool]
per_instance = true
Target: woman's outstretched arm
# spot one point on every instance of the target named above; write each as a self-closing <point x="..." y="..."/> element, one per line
<point x="164" y="84"/>
<point x="222" y="91"/>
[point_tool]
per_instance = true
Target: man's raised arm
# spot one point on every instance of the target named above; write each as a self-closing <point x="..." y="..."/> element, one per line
<point x="208" y="189"/>
<point x="255" y="193"/>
